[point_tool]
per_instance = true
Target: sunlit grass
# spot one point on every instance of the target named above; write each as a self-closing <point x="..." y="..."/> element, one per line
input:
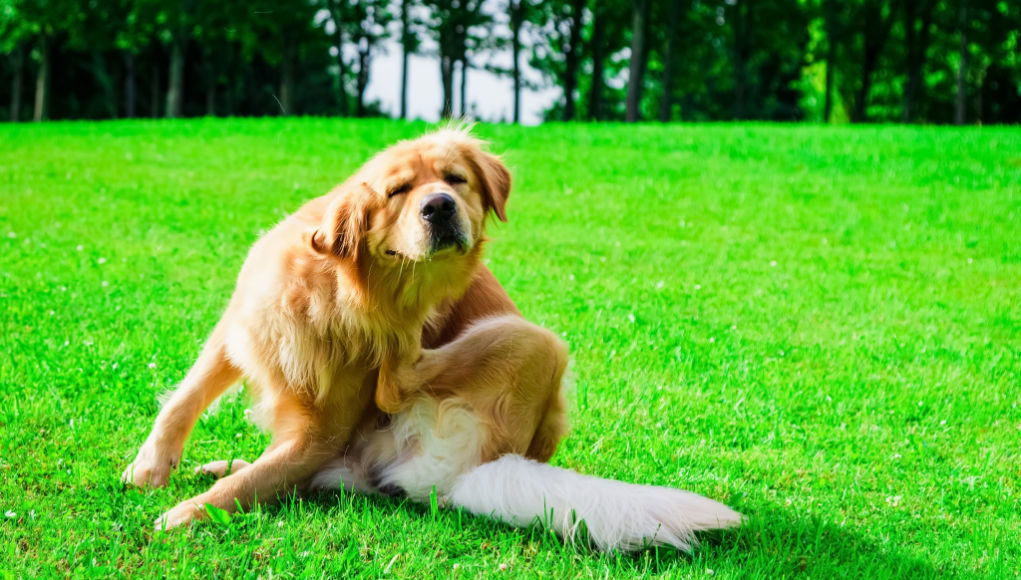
<point x="818" y="326"/>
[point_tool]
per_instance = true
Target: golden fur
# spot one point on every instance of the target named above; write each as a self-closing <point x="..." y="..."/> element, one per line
<point x="330" y="314"/>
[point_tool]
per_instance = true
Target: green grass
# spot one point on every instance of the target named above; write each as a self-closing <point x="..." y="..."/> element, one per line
<point x="819" y="326"/>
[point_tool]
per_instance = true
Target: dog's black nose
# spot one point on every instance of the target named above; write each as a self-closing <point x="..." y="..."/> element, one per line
<point x="438" y="208"/>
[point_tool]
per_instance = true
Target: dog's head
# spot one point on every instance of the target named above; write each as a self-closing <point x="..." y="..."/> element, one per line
<point x="419" y="201"/>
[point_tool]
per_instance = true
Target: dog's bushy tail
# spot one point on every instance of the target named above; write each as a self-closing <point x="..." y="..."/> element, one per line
<point x="618" y="516"/>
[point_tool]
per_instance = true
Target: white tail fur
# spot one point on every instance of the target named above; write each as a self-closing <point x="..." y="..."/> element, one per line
<point x="619" y="516"/>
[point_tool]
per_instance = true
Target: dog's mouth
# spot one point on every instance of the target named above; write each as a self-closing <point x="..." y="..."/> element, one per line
<point x="447" y="236"/>
<point x="448" y="241"/>
<point x="454" y="244"/>
<point x="440" y="241"/>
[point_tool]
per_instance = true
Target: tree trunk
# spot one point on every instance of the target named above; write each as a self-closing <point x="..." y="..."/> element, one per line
<point x="129" y="84"/>
<point x="175" y="82"/>
<point x="910" y="15"/>
<point x="105" y="83"/>
<point x="364" y="59"/>
<point x="42" y="82"/>
<point x="595" y="95"/>
<point x="18" y="65"/>
<point x="287" y="80"/>
<point x="832" y="39"/>
<point x="667" y="102"/>
<point x="636" y="67"/>
<point x="235" y="82"/>
<point x="860" y="114"/>
<point x="447" y="80"/>
<point x="517" y="19"/>
<point x="979" y="91"/>
<point x="961" y="110"/>
<point x="404" y="84"/>
<point x="876" y="32"/>
<point x="211" y="99"/>
<point x="571" y="58"/>
<point x="336" y="14"/>
<point x="464" y="87"/>
<point x="405" y="45"/>
<point x="154" y="89"/>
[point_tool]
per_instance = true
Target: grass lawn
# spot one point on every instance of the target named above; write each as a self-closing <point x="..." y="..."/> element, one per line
<point x="819" y="326"/>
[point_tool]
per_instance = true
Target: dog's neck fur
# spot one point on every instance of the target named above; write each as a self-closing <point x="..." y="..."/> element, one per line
<point x="392" y="304"/>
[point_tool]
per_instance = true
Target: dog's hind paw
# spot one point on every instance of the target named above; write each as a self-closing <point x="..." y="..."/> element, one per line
<point x="222" y="467"/>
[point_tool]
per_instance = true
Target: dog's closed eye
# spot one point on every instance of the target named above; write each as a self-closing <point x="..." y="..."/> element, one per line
<point x="400" y="189"/>
<point x="455" y="179"/>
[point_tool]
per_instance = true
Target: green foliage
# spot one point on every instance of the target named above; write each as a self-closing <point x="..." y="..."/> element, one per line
<point x="14" y="26"/>
<point x="218" y="516"/>
<point x="886" y="60"/>
<point x="816" y="325"/>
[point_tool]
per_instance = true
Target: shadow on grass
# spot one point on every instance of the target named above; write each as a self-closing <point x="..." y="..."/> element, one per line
<point x="773" y="543"/>
<point x="777" y="543"/>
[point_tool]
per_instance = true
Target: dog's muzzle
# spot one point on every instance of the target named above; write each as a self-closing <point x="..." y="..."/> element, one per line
<point x="439" y="211"/>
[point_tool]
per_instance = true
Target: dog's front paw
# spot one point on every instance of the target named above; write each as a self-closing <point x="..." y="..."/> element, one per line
<point x="151" y="467"/>
<point x="185" y="512"/>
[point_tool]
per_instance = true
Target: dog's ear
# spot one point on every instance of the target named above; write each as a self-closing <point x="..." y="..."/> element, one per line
<point x="341" y="232"/>
<point x="495" y="181"/>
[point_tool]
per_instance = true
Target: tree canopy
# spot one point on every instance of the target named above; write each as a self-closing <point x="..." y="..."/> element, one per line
<point x="930" y="61"/>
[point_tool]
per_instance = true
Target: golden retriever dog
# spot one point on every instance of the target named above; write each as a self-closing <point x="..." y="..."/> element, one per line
<point x="326" y="303"/>
<point x="386" y="359"/>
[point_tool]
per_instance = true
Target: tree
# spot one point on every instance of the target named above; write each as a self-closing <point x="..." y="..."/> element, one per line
<point x="518" y="10"/>
<point x="960" y="110"/>
<point x="917" y="34"/>
<point x="877" y="19"/>
<point x="175" y="26"/>
<point x="669" y="48"/>
<point x="179" y="37"/>
<point x="339" y="13"/>
<point x="572" y="55"/>
<point x="367" y="24"/>
<point x="997" y="90"/>
<point x="444" y="24"/>
<point x="14" y="34"/>
<point x="41" y="25"/>
<point x="17" y="67"/>
<point x="607" y="34"/>
<point x="94" y="32"/>
<point x="42" y="80"/>
<point x="639" y="58"/>
<point x="742" y="52"/>
<point x="600" y="13"/>
<point x="452" y="23"/>
<point x="833" y="13"/>
<point x="132" y="35"/>
<point x="941" y="61"/>
<point x="410" y="42"/>
<point x="559" y="50"/>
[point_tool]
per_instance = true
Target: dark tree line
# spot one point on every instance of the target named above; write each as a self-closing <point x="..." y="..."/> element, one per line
<point x="938" y="61"/>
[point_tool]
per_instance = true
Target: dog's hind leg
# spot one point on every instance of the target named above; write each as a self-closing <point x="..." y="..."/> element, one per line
<point x="212" y="373"/>
<point x="552" y="427"/>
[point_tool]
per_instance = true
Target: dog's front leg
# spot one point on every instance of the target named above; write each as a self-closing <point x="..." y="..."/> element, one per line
<point x="285" y="464"/>
<point x="208" y="379"/>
